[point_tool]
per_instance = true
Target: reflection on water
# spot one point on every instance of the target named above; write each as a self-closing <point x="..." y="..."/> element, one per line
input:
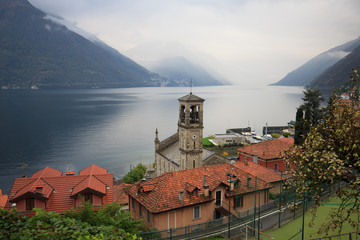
<point x="114" y="128"/>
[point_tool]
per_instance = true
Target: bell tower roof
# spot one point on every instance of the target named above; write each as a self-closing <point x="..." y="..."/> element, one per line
<point x="191" y="98"/>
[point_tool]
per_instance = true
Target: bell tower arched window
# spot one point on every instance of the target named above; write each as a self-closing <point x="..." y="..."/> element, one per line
<point x="182" y="113"/>
<point x="194" y="114"/>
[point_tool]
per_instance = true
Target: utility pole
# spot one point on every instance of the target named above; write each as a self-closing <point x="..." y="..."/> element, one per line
<point x="259" y="216"/>
<point x="255" y="205"/>
<point x="280" y="200"/>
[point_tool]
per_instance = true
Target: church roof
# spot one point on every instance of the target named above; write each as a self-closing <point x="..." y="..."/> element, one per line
<point x="190" y="98"/>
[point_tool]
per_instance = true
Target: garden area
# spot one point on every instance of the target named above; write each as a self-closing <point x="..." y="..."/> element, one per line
<point x="290" y="229"/>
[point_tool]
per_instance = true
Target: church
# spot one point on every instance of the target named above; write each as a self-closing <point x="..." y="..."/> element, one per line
<point x="184" y="149"/>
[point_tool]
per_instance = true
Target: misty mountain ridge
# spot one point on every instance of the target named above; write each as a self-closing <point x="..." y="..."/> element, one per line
<point x="181" y="71"/>
<point x="153" y="54"/>
<point x="41" y="50"/>
<point x="315" y="67"/>
<point x="338" y="74"/>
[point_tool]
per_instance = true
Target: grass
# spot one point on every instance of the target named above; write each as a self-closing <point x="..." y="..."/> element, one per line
<point x="288" y="230"/>
<point x="206" y="142"/>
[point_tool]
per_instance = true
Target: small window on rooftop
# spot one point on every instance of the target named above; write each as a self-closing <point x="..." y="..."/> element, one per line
<point x="88" y="197"/>
<point x="30" y="204"/>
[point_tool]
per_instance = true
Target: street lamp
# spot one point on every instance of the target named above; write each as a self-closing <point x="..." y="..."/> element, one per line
<point x="230" y="175"/>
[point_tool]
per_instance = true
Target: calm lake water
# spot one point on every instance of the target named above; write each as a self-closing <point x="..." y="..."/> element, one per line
<point x="115" y="128"/>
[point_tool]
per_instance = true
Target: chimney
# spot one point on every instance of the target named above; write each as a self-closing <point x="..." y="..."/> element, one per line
<point x="181" y="196"/>
<point x="206" y="190"/>
<point x="248" y="182"/>
<point x="231" y="183"/>
<point x="69" y="173"/>
<point x="255" y="159"/>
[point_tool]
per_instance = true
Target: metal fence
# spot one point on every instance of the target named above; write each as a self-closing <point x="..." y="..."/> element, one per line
<point x="266" y="216"/>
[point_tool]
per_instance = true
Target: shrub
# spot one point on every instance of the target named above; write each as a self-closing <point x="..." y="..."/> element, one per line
<point x="135" y="174"/>
<point x="275" y="135"/>
<point x="286" y="134"/>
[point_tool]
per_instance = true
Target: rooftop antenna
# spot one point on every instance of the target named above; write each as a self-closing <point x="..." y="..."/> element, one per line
<point x="190" y="85"/>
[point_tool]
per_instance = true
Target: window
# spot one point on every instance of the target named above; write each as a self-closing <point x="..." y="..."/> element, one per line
<point x="88" y="197"/>
<point x="148" y="216"/>
<point x="218" y="198"/>
<point x="193" y="164"/>
<point x="140" y="210"/>
<point x="238" y="201"/>
<point x="275" y="166"/>
<point x="197" y="212"/>
<point x="217" y="214"/>
<point x="30" y="204"/>
<point x="132" y="203"/>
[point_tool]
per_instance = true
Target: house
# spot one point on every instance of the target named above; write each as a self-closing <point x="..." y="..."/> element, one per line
<point x="268" y="153"/>
<point x="229" y="138"/>
<point x="273" y="178"/>
<point x="3" y="199"/>
<point x="181" y="198"/>
<point x="120" y="196"/>
<point x="51" y="190"/>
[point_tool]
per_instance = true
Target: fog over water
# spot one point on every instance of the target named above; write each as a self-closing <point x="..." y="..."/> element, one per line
<point x="115" y="128"/>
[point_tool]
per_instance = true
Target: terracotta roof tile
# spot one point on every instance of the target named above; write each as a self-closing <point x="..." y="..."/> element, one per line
<point x="91" y="183"/>
<point x="59" y="198"/>
<point x="165" y="194"/>
<point x="119" y="193"/>
<point x="47" y="172"/>
<point x="266" y="174"/>
<point x="3" y="199"/>
<point x="37" y="188"/>
<point x="93" y="169"/>
<point x="271" y="149"/>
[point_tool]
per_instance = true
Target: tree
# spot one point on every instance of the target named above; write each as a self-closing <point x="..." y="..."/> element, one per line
<point x="110" y="215"/>
<point x="135" y="174"/>
<point x="329" y="160"/>
<point x="299" y="127"/>
<point x="50" y="225"/>
<point x="308" y="114"/>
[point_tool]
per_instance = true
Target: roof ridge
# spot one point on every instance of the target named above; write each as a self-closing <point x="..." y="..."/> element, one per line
<point x="46" y="182"/>
<point x="14" y="194"/>
<point x="100" y="180"/>
<point x="80" y="181"/>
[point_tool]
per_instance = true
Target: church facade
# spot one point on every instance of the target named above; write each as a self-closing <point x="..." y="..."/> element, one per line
<point x="184" y="149"/>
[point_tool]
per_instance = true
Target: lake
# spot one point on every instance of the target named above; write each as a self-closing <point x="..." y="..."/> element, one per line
<point x="115" y="128"/>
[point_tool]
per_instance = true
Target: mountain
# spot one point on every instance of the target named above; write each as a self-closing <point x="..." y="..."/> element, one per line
<point x="181" y="71"/>
<point x="337" y="75"/>
<point x="312" y="69"/>
<point x="37" y="51"/>
<point x="152" y="55"/>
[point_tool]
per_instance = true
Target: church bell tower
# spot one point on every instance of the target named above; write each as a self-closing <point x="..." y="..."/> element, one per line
<point x="190" y="128"/>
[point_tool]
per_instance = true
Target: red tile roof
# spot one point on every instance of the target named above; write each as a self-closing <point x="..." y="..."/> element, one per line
<point x="37" y="188"/>
<point x="58" y="189"/>
<point x="266" y="174"/>
<point x="90" y="183"/>
<point x="165" y="194"/>
<point x="271" y="149"/>
<point x="119" y="193"/>
<point x="3" y="199"/>
<point x="47" y="172"/>
<point x="93" y="169"/>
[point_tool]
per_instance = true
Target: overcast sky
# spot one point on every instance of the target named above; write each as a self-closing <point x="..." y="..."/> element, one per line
<point x="243" y="40"/>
